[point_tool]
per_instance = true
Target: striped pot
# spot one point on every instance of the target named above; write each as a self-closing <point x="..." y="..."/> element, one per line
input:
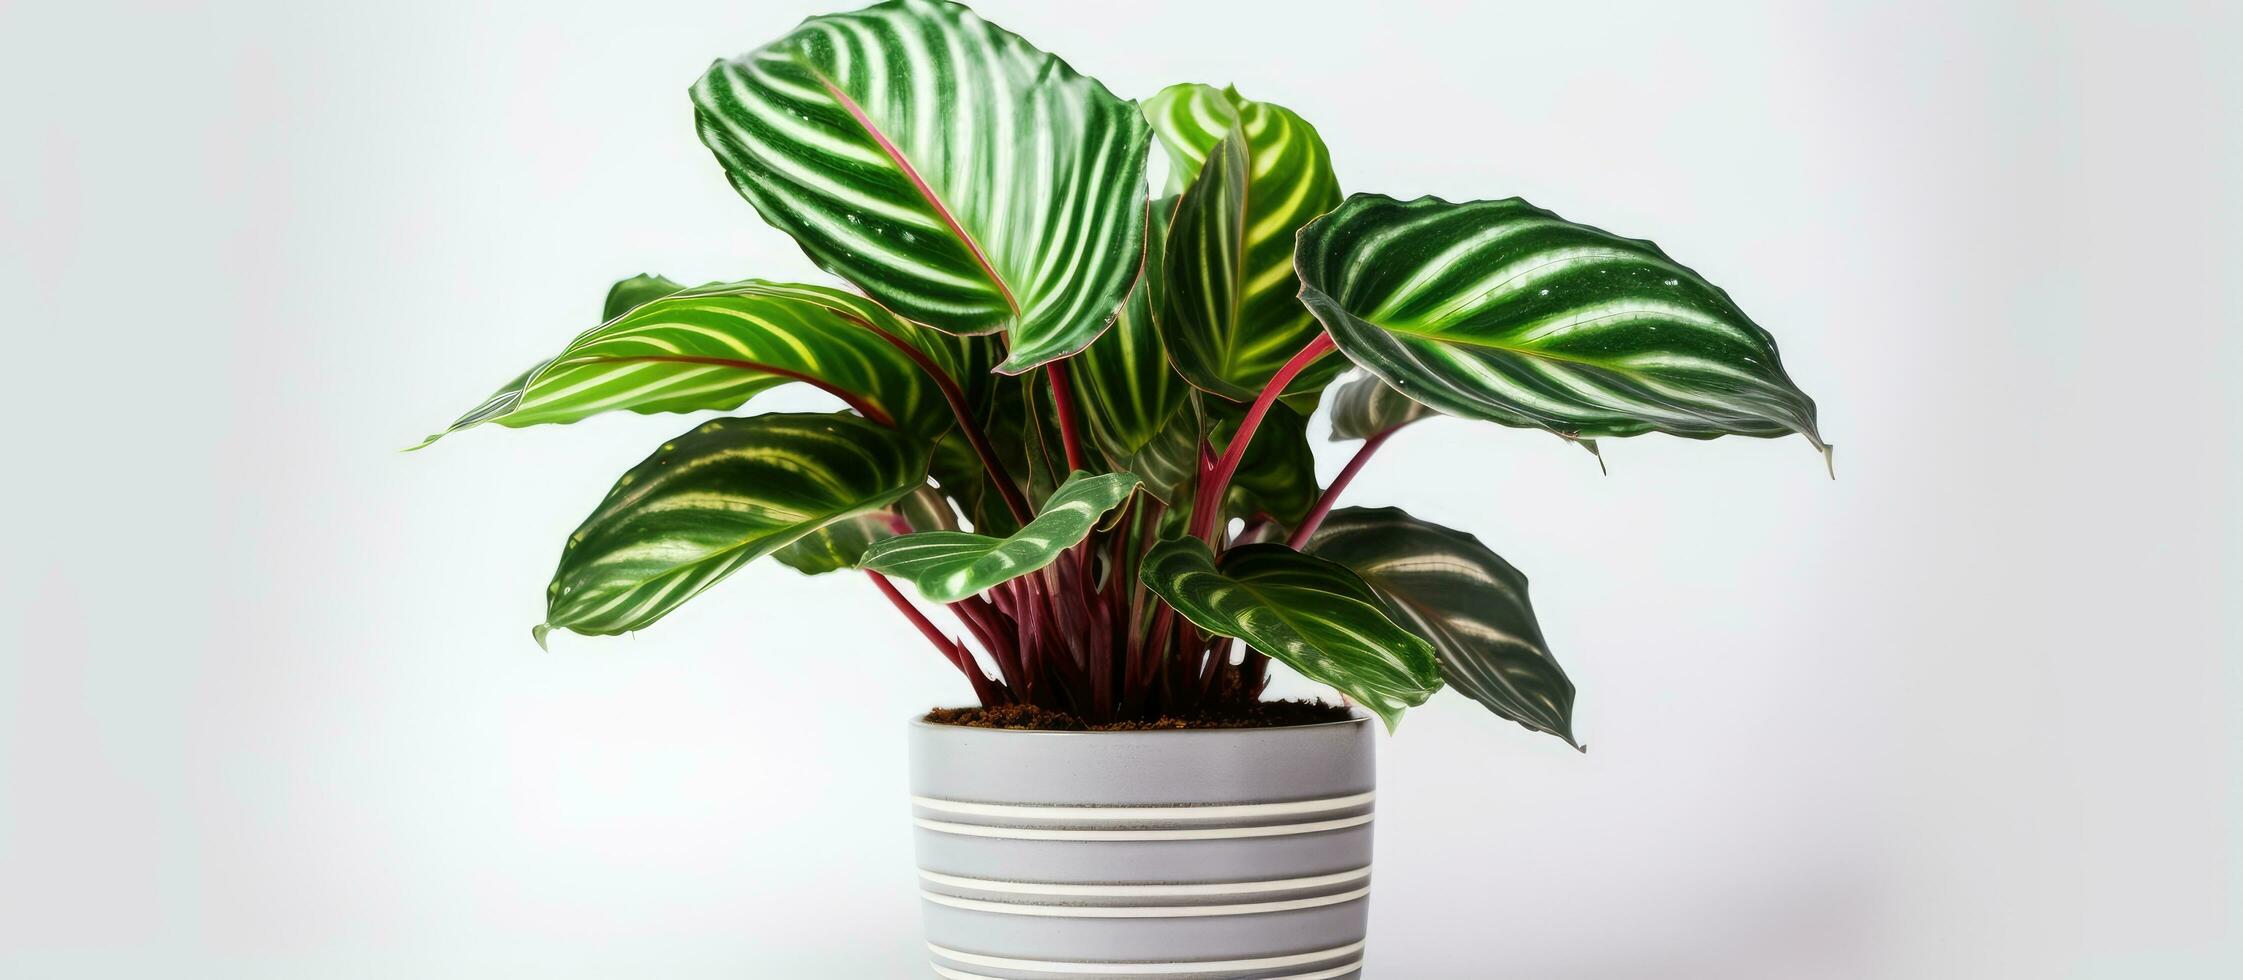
<point x="1180" y="855"/>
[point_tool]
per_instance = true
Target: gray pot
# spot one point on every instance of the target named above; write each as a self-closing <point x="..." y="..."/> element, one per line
<point x="1208" y="855"/>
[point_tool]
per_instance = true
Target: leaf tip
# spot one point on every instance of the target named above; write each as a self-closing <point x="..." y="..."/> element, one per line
<point x="539" y="633"/>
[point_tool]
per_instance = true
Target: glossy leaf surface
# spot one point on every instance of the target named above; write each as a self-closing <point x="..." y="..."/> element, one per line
<point x="1502" y="311"/>
<point x="1466" y="601"/>
<point x="716" y="498"/>
<point x="945" y="166"/>
<point x="950" y="565"/>
<point x="1314" y="615"/>
<point x="715" y="346"/>
<point x="1231" y="315"/>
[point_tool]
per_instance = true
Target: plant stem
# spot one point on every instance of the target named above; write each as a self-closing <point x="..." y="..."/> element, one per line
<point x="1323" y="507"/>
<point x="956" y="398"/>
<point x="1063" y="395"/>
<point x="1213" y="484"/>
<point x="948" y="647"/>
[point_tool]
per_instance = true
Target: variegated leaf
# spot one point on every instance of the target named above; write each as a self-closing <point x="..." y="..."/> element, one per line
<point x="1502" y="311"/>
<point x="954" y="172"/>
<point x="950" y="565"/>
<point x="1277" y="476"/>
<point x="1466" y="601"/>
<point x="1232" y="316"/>
<point x="1128" y="389"/>
<point x="1364" y="406"/>
<point x="1313" y="615"/>
<point x="716" y="498"/>
<point x="714" y="346"/>
<point x="841" y="544"/>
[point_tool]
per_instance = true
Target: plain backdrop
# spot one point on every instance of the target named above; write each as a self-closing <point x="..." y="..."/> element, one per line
<point x="269" y="705"/>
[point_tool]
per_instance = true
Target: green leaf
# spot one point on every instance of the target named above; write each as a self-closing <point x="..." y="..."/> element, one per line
<point x="950" y="565"/>
<point x="713" y="347"/>
<point x="1278" y="474"/>
<point x="1364" y="406"/>
<point x="639" y="290"/>
<point x="1470" y="604"/>
<point x="841" y="544"/>
<point x="1312" y="614"/>
<point x="716" y="498"/>
<point x="951" y="170"/>
<point x="1502" y="311"/>
<point x="1128" y="390"/>
<point x="1232" y="316"/>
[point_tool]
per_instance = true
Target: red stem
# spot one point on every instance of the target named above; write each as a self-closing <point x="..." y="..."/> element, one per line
<point x="1323" y="507"/>
<point x="948" y="647"/>
<point x="956" y="398"/>
<point x="1063" y="395"/>
<point x="1212" y="485"/>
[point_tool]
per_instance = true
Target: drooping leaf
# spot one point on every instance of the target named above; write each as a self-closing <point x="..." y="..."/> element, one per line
<point x="950" y="565"/>
<point x="716" y="498"/>
<point x="1466" y="601"/>
<point x="951" y="170"/>
<point x="1232" y="316"/>
<point x="630" y="294"/>
<point x="1313" y="615"/>
<point x="714" y="346"/>
<point x="841" y="544"/>
<point x="1364" y="406"/>
<point x="1502" y="311"/>
<point x="1127" y="387"/>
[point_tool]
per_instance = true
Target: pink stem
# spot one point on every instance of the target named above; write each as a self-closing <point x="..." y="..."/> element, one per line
<point x="1331" y="493"/>
<point x="1213" y="484"/>
<point x="1063" y="395"/>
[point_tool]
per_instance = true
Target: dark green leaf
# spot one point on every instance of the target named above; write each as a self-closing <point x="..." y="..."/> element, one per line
<point x="1470" y="604"/>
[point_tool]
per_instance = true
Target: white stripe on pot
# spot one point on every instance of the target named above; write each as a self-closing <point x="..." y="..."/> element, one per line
<point x="1197" y="833"/>
<point x="1170" y="968"/>
<point x="1339" y="971"/>
<point x="1142" y="911"/>
<point x="1178" y="890"/>
<point x="1178" y="811"/>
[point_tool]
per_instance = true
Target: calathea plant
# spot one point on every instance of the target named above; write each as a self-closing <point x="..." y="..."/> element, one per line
<point x="1076" y="411"/>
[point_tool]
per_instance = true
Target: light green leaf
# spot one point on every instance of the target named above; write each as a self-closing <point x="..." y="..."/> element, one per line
<point x="1127" y="388"/>
<point x="841" y="544"/>
<point x="716" y="498"/>
<point x="630" y="294"/>
<point x="713" y="347"/>
<point x="950" y="565"/>
<point x="1466" y="601"/>
<point x="1231" y="317"/>
<point x="1502" y="311"/>
<point x="1314" y="615"/>
<point x="951" y="170"/>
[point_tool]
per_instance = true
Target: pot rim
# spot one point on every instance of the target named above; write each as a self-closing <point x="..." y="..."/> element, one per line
<point x="1356" y="716"/>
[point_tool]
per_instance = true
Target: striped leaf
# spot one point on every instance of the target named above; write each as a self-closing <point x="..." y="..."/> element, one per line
<point x="1231" y="317"/>
<point x="841" y="544"/>
<point x="950" y="565"/>
<point x="1128" y="389"/>
<point x="1364" y="406"/>
<point x="954" y="172"/>
<point x="1470" y="604"/>
<point x="1312" y="614"/>
<point x="1502" y="311"/>
<point x="713" y="347"/>
<point x="714" y="499"/>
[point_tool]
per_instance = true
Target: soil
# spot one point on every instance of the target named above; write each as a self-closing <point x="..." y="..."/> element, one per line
<point x="1261" y="714"/>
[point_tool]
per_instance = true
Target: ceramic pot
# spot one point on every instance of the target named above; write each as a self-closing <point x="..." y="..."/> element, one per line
<point x="1238" y="854"/>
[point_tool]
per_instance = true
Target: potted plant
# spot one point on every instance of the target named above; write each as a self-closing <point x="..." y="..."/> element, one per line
<point x="1076" y="419"/>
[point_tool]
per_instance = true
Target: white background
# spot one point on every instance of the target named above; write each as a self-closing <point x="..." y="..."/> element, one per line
<point x="269" y="706"/>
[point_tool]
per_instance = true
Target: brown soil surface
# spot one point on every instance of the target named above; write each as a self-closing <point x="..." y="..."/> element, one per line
<point x="1261" y="714"/>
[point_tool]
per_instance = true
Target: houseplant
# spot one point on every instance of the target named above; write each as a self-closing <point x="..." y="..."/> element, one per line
<point x="1076" y="417"/>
